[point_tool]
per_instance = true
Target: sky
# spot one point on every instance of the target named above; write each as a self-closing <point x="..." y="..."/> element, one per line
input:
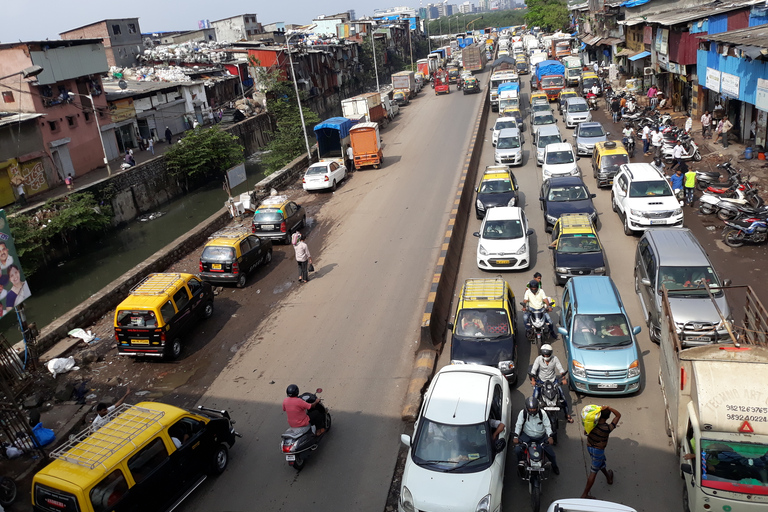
<point x="45" y="19"/>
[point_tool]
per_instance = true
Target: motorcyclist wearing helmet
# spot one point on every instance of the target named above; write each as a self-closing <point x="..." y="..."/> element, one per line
<point x="301" y="413"/>
<point x="536" y="298"/>
<point x="533" y="425"/>
<point x="547" y="367"/>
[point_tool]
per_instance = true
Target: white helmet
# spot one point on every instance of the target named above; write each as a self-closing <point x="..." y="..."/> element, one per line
<point x="546" y="350"/>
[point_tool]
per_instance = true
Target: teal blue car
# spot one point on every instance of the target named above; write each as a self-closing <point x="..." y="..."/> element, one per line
<point x="602" y="352"/>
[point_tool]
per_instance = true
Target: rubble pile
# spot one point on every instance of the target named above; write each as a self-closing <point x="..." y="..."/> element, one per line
<point x="211" y="52"/>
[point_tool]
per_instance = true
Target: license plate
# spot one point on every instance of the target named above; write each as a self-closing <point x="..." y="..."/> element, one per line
<point x="290" y="458"/>
<point x="267" y="227"/>
<point x="502" y="262"/>
<point x="700" y="338"/>
<point x="607" y="386"/>
<point x="554" y="409"/>
<point x="139" y="342"/>
<point x="216" y="266"/>
<point x="658" y="222"/>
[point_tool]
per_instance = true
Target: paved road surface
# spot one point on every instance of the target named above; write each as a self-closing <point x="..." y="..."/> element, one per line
<point x="351" y="330"/>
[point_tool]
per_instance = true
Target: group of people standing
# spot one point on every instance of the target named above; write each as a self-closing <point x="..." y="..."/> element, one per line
<point x="716" y="122"/>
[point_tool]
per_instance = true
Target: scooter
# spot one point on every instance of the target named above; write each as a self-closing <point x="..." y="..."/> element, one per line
<point x="298" y="443"/>
<point x="690" y="152"/>
<point x="535" y="471"/>
<point x="592" y="103"/>
<point x="730" y="208"/>
<point x="754" y="230"/>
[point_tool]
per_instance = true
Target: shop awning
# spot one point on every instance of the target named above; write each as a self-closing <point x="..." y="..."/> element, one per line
<point x="626" y="52"/>
<point x="639" y="56"/>
<point x="675" y="16"/>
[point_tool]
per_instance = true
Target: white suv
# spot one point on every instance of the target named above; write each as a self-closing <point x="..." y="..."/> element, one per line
<point x="642" y="197"/>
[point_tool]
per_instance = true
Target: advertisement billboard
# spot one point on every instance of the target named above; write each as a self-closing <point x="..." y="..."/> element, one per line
<point x="15" y="289"/>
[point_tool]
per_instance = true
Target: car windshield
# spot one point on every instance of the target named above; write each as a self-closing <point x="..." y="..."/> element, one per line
<point x="126" y="318"/>
<point x="540" y="107"/>
<point x="399" y="95"/>
<point x="214" y="253"/>
<point x="688" y="280"/>
<point x="567" y="193"/>
<point x="576" y="244"/>
<point x="453" y="72"/>
<point x="544" y="119"/>
<point x="589" y="82"/>
<point x="578" y="107"/>
<point x="553" y="81"/>
<point x="500" y="125"/>
<point x="543" y="140"/>
<point x="600" y="331"/>
<point x="508" y="143"/>
<point x="728" y="465"/>
<point x="496" y="186"/>
<point x="461" y="448"/>
<point x="591" y="131"/>
<point x="482" y="324"/>
<point x="317" y="169"/>
<point x="270" y="215"/>
<point x="574" y="72"/>
<point x="522" y="66"/>
<point x="649" y="188"/>
<point x="614" y="160"/>
<point x="505" y="229"/>
<point x="560" y="157"/>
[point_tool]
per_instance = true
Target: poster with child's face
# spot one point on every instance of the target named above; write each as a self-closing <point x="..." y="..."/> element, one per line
<point x="14" y="284"/>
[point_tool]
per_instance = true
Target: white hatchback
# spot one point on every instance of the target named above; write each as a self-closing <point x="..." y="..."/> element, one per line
<point x="503" y="243"/>
<point x="324" y="175"/>
<point x="559" y="160"/>
<point x="500" y="124"/>
<point x="453" y="462"/>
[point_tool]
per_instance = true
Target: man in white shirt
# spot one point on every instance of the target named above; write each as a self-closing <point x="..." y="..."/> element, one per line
<point x="533" y="425"/>
<point x="688" y="124"/>
<point x="657" y="138"/>
<point x="535" y="298"/>
<point x="103" y="410"/>
<point x="547" y="367"/>
<point x="677" y="155"/>
<point x="646" y="139"/>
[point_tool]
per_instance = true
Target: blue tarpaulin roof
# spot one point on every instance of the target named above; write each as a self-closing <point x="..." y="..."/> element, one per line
<point x="509" y="86"/>
<point x="639" y="56"/>
<point x="549" y="67"/>
<point x="634" y="3"/>
<point x="342" y="124"/>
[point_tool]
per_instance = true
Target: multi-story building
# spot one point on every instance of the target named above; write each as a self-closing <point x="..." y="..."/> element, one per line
<point x="121" y="38"/>
<point x="466" y="8"/>
<point x="243" y="27"/>
<point x="23" y="156"/>
<point x="325" y="25"/>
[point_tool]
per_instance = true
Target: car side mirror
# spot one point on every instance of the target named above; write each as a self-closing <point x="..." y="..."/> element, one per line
<point x="593" y="196"/>
<point x="646" y="282"/>
<point x="500" y="445"/>
<point x="636" y="330"/>
<point x="476" y="234"/>
<point x="405" y="439"/>
<point x="607" y="134"/>
<point x="686" y="468"/>
<point x="562" y="331"/>
<point x="541" y="199"/>
<point x="552" y="247"/>
<point x="727" y="282"/>
<point x="491" y="128"/>
<point x="450" y="326"/>
<point x="529" y="232"/>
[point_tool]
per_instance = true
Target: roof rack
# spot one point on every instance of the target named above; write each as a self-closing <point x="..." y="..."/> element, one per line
<point x="575" y="220"/>
<point x="156" y="284"/>
<point x="91" y="448"/>
<point x="483" y="289"/>
<point x="495" y="169"/>
<point x="274" y="200"/>
<point x="230" y="232"/>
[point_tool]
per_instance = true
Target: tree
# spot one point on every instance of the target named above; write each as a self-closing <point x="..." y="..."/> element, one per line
<point x="367" y="65"/>
<point x="551" y="15"/>
<point x="204" y="152"/>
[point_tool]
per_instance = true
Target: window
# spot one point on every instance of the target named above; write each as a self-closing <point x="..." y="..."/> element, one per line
<point x="108" y="492"/>
<point x="147" y="460"/>
<point x="8" y="97"/>
<point x="87" y="117"/>
<point x="167" y="311"/>
<point x="71" y="121"/>
<point x="116" y="30"/>
<point x="496" y="405"/>
<point x="254" y="241"/>
<point x="53" y="125"/>
<point x="244" y="247"/>
<point x="194" y="286"/>
<point x="181" y="298"/>
<point x="131" y="28"/>
<point x="184" y="430"/>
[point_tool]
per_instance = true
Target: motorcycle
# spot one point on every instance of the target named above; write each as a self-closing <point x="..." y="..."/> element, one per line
<point x="536" y="329"/>
<point x="728" y="208"/>
<point x="629" y="145"/>
<point x="754" y="230"/>
<point x="298" y="443"/>
<point x="690" y="152"/>
<point x="592" y="103"/>
<point x="535" y="471"/>
<point x="549" y="400"/>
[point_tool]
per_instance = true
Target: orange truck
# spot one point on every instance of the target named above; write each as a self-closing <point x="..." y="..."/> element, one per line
<point x="366" y="145"/>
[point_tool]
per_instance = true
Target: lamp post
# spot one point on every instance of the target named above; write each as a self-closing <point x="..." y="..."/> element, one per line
<point x="26" y="72"/>
<point x="298" y="98"/>
<point x="98" y="126"/>
<point x="375" y="65"/>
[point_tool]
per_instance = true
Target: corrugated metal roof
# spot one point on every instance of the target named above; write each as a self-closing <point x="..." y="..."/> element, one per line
<point x="676" y="16"/>
<point x="610" y="41"/>
<point x="626" y="52"/>
<point x="15" y="118"/>
<point x="752" y="36"/>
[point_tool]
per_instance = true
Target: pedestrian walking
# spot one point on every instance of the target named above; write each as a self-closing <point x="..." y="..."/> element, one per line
<point x="70" y="181"/>
<point x="676" y="181"/>
<point x="596" y="67"/>
<point x="210" y="116"/>
<point x="646" y="137"/>
<point x="616" y="109"/>
<point x="689" y="185"/>
<point x="677" y="156"/>
<point x="657" y="139"/>
<point x="652" y="100"/>
<point x="168" y="135"/>
<point x="303" y="258"/>
<point x="351" y="158"/>
<point x="688" y="123"/>
<point x="22" y="195"/>
<point x="727" y="125"/>
<point x="151" y="145"/>
<point x="706" y="125"/>
<point x="597" y="440"/>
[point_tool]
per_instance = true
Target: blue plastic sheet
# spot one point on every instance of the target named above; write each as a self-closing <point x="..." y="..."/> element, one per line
<point x="634" y="3"/>
<point x="509" y="86"/>
<point x="341" y="124"/>
<point x="549" y="67"/>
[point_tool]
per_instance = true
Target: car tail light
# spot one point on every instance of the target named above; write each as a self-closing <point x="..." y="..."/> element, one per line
<point x="253" y="228"/>
<point x="304" y="180"/>
<point x="117" y="338"/>
<point x="201" y="266"/>
<point x="162" y="336"/>
<point x="283" y="228"/>
<point x="235" y="268"/>
<point x="326" y="178"/>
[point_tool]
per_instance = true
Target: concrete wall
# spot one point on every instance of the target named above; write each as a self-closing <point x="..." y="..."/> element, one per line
<point x="121" y="49"/>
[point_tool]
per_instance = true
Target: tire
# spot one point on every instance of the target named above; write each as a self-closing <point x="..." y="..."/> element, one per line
<point x="613" y="204"/>
<point x="627" y="231"/>
<point x="173" y="350"/>
<point x="7" y="491"/>
<point x="733" y="238"/>
<point x="701" y="187"/>
<point x="303" y="224"/>
<point x="299" y="463"/>
<point x="706" y="210"/>
<point x="220" y="460"/>
<point x="652" y="332"/>
<point x="667" y="427"/>
<point x="208" y="309"/>
<point x="697" y="156"/>
<point x="535" y="495"/>
<point x="241" y="280"/>
<point x="268" y="258"/>
<point x="328" y="421"/>
<point x="637" y="285"/>
<point x="333" y="186"/>
<point x="725" y="214"/>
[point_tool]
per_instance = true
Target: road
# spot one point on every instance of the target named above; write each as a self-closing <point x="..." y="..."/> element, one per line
<point x="640" y="454"/>
<point x="351" y="330"/>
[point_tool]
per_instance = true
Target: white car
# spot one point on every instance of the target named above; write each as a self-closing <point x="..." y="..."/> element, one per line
<point x="453" y="463"/>
<point x="503" y="243"/>
<point x="324" y="175"/>
<point x="559" y="160"/>
<point x="643" y="198"/>
<point x="500" y="124"/>
<point x="582" y="505"/>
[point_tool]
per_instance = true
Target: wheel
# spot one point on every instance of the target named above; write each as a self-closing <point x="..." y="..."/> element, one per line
<point x="652" y="331"/>
<point x="303" y="223"/>
<point x="697" y="156"/>
<point x="298" y="464"/>
<point x="627" y="230"/>
<point x="268" y="258"/>
<point x="733" y="238"/>
<point x="706" y="210"/>
<point x="241" y="280"/>
<point x="613" y="204"/>
<point x="7" y="491"/>
<point x="701" y="187"/>
<point x="287" y="238"/>
<point x="535" y="495"/>
<point x="173" y="350"/>
<point x="667" y="426"/>
<point x="327" y="421"/>
<point x="724" y="214"/>
<point x="208" y="310"/>
<point x="333" y="186"/>
<point x="220" y="460"/>
<point x="376" y="166"/>
<point x="637" y="285"/>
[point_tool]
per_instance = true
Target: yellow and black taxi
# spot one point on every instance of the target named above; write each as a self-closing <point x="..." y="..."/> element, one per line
<point x="512" y="111"/>
<point x="576" y="250"/>
<point x="521" y="64"/>
<point x="231" y="254"/>
<point x="148" y="456"/>
<point x="563" y="96"/>
<point x="498" y="187"/>
<point x="277" y="218"/>
<point x="607" y="157"/>
<point x="158" y="312"/>
<point x="483" y="328"/>
<point x="538" y="95"/>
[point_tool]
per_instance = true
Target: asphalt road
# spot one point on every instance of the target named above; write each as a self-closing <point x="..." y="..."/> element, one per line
<point x="351" y="330"/>
<point x="645" y="466"/>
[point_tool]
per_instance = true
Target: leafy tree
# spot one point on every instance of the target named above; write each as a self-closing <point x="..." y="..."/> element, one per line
<point x="495" y="19"/>
<point x="204" y="152"/>
<point x="551" y="15"/>
<point x="368" y="67"/>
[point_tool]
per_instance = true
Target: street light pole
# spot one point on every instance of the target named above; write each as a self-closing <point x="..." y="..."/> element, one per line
<point x="375" y="65"/>
<point x="98" y="127"/>
<point x="298" y="98"/>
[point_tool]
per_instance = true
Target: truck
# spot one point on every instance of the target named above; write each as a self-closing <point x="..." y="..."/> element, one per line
<point x="435" y="63"/>
<point x="474" y="58"/>
<point x="448" y="52"/>
<point x="498" y="78"/>
<point x="716" y="410"/>
<point x="560" y="47"/>
<point x="333" y="140"/>
<point x="572" y="70"/>
<point x="405" y="80"/>
<point x="367" y="105"/>
<point x="535" y="58"/>
<point x="509" y="96"/>
<point x="549" y="76"/>
<point x="366" y="145"/>
<point x="389" y="105"/>
<point x="422" y="66"/>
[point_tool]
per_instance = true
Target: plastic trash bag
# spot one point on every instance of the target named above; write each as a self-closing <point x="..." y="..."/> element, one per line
<point x="589" y="416"/>
<point x="86" y="336"/>
<point x="13" y="452"/>
<point x="43" y="436"/>
<point x="61" y="365"/>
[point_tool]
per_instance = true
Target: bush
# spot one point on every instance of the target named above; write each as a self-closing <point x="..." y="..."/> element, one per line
<point x="204" y="152"/>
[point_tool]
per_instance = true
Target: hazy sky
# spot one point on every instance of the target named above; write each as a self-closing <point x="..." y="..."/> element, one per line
<point x="44" y="19"/>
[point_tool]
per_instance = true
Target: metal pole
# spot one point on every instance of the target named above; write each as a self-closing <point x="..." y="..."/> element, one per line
<point x="298" y="100"/>
<point x="375" y="66"/>
<point x="410" y="43"/>
<point x="429" y="41"/>
<point x="98" y="127"/>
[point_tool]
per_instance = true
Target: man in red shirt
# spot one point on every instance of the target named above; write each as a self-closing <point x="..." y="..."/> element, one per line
<point x="301" y="413"/>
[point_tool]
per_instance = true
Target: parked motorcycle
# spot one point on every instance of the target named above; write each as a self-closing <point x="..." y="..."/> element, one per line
<point x="534" y="471"/>
<point x="690" y="151"/>
<point x="730" y="207"/>
<point x="298" y="443"/>
<point x="753" y="230"/>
